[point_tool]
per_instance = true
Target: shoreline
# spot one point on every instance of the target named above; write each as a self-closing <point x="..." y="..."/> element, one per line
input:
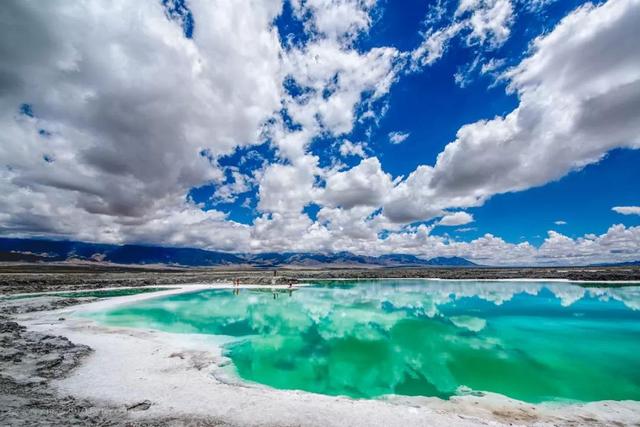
<point x="310" y="282"/>
<point x="42" y="278"/>
<point x="519" y="279"/>
<point x="185" y="375"/>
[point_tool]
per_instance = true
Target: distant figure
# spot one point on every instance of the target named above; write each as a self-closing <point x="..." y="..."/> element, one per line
<point x="275" y="273"/>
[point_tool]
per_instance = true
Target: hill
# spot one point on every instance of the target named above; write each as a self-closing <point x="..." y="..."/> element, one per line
<point x="39" y="250"/>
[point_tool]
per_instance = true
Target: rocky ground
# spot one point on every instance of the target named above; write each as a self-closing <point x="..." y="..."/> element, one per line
<point x="30" y="361"/>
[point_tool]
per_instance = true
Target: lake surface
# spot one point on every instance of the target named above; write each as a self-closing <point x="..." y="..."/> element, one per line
<point x="532" y="341"/>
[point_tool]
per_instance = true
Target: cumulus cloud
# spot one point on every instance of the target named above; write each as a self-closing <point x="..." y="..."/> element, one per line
<point x="105" y="132"/>
<point x="489" y="20"/>
<point x="335" y="78"/>
<point x="348" y="148"/>
<point x="619" y="243"/>
<point x="122" y="122"/>
<point x="627" y="210"/>
<point x="579" y="93"/>
<point x="398" y="137"/>
<point x="456" y="218"/>
<point x="363" y="185"/>
<point x="287" y="188"/>
<point x="336" y="19"/>
<point x="123" y="115"/>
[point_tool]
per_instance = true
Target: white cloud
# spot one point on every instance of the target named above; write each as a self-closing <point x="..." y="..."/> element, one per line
<point x="627" y="210"/>
<point x="129" y="104"/>
<point x="130" y="108"/>
<point x="485" y="23"/>
<point x="287" y="189"/>
<point x="405" y="203"/>
<point x="456" y="218"/>
<point x="464" y="75"/>
<point x="492" y="65"/>
<point x="353" y="223"/>
<point x="536" y="6"/>
<point x="579" y="93"/>
<point x="398" y="137"/>
<point x="434" y="45"/>
<point x="239" y="184"/>
<point x="338" y="77"/>
<point x="136" y="115"/>
<point x="489" y="20"/>
<point x="336" y="19"/>
<point x="353" y="148"/>
<point x="560" y="222"/>
<point x="363" y="185"/>
<point x="617" y="244"/>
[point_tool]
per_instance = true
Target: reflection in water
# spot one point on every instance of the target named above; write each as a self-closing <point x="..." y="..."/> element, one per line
<point x="533" y="341"/>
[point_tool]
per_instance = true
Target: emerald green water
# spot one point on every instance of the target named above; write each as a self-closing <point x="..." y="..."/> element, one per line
<point x="527" y="340"/>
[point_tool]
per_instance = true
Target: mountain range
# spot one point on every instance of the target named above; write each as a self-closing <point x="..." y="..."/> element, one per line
<point x="38" y="250"/>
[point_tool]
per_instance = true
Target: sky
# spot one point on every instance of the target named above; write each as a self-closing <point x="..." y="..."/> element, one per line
<point x="502" y="131"/>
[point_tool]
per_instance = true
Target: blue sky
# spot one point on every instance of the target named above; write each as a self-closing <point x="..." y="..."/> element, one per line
<point x="480" y="128"/>
<point x="582" y="199"/>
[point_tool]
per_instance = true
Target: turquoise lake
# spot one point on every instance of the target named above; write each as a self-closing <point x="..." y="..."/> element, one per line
<point x="532" y="341"/>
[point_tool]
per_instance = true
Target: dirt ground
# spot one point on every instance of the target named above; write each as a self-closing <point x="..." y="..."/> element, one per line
<point x="47" y="277"/>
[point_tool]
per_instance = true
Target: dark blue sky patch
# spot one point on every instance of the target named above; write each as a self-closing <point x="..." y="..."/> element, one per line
<point x="178" y="11"/>
<point x="249" y="158"/>
<point x="246" y="161"/>
<point x="294" y="89"/>
<point x="288" y="122"/>
<point x="290" y="28"/>
<point x="399" y="26"/>
<point x="311" y="210"/>
<point x="331" y="87"/>
<point x="26" y="110"/>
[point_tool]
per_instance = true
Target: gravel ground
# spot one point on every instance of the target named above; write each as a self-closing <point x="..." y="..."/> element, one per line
<point x="29" y="361"/>
<point x="47" y="277"/>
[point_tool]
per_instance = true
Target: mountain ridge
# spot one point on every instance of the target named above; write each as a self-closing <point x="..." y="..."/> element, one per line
<point x="43" y="250"/>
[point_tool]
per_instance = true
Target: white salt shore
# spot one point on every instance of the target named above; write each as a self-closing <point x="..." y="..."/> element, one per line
<point x="185" y="375"/>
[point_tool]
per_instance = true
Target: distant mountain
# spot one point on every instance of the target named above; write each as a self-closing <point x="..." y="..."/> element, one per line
<point x="53" y="250"/>
<point x="618" y="264"/>
<point x="349" y="259"/>
<point x="137" y="254"/>
<point x="453" y="261"/>
<point x="308" y="259"/>
<point x="37" y="250"/>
